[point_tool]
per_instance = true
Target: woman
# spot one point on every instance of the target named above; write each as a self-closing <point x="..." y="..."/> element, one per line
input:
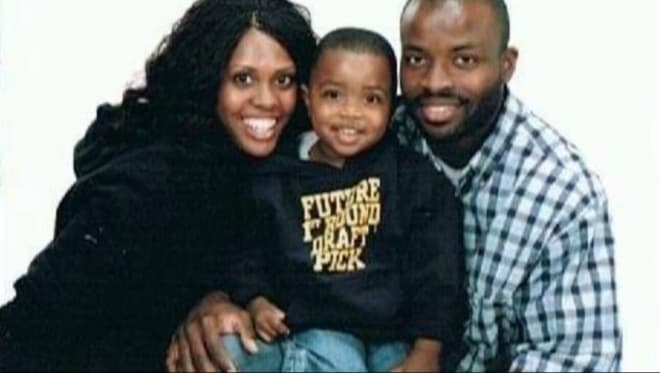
<point x="151" y="222"/>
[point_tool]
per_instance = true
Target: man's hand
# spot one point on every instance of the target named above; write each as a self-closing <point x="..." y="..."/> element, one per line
<point x="424" y="357"/>
<point x="196" y="344"/>
<point x="268" y="319"/>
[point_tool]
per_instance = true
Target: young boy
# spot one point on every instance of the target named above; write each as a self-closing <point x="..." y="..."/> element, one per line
<point x="359" y="262"/>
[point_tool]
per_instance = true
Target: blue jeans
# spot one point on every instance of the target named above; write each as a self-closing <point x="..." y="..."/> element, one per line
<point x="317" y="350"/>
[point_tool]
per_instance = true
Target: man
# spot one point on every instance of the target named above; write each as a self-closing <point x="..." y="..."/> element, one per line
<point x="540" y="259"/>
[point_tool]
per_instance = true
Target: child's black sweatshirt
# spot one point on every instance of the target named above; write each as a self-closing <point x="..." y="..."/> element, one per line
<point x="374" y="248"/>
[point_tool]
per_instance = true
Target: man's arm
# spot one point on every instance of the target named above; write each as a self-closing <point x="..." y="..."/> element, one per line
<point x="570" y="319"/>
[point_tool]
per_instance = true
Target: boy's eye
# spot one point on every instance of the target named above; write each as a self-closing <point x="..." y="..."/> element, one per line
<point x="242" y="78"/>
<point x="374" y="99"/>
<point x="331" y="94"/>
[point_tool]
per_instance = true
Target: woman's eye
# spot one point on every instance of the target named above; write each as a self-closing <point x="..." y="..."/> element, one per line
<point x="285" y="81"/>
<point x="242" y="79"/>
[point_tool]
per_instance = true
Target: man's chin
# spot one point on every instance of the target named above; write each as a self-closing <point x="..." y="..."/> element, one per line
<point x="440" y="131"/>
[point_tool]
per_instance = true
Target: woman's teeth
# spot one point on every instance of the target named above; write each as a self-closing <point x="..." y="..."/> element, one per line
<point x="260" y="128"/>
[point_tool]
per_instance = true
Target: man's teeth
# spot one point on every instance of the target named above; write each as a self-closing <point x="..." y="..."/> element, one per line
<point x="439" y="113"/>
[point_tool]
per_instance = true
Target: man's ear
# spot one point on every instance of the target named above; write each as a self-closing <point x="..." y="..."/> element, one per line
<point x="304" y="92"/>
<point x="509" y="60"/>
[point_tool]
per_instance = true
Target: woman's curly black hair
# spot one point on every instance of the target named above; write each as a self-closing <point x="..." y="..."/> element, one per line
<point x="183" y="75"/>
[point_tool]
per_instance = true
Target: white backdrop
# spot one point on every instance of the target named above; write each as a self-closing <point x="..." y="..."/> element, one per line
<point x="589" y="67"/>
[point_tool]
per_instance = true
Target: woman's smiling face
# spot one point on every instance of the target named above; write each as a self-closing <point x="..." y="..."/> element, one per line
<point x="258" y="93"/>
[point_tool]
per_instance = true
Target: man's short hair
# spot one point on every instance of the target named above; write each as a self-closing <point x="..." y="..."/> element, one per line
<point x="501" y="12"/>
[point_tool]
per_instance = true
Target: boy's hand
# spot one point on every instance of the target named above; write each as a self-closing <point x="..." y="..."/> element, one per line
<point x="424" y="357"/>
<point x="268" y="319"/>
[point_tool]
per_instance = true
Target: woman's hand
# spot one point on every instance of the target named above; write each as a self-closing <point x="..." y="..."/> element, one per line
<point x="196" y="345"/>
<point x="268" y="319"/>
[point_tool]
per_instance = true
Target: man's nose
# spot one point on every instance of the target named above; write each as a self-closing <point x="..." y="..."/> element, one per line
<point x="438" y="78"/>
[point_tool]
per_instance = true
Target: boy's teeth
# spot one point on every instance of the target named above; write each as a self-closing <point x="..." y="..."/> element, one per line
<point x="347" y="135"/>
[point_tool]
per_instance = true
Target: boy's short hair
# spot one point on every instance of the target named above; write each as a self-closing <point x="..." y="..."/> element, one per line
<point x="360" y="40"/>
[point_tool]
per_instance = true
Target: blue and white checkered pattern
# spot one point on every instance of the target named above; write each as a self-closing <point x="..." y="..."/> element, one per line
<point x="540" y="251"/>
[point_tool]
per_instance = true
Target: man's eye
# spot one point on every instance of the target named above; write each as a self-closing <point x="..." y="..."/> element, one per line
<point x="465" y="61"/>
<point x="242" y="79"/>
<point x="414" y="60"/>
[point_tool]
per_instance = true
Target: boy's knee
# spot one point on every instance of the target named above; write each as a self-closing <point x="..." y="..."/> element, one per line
<point x="234" y="348"/>
<point x="267" y="359"/>
<point x="332" y="351"/>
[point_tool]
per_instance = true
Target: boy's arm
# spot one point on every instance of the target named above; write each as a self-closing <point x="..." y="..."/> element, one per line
<point x="249" y="276"/>
<point x="251" y="287"/>
<point x="268" y="319"/>
<point x="249" y="279"/>
<point x="434" y="264"/>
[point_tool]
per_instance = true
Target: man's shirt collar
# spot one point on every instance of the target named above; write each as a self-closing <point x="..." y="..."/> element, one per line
<point x="489" y="155"/>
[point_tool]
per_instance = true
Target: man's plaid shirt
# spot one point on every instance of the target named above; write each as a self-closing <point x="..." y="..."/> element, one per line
<point x="540" y="251"/>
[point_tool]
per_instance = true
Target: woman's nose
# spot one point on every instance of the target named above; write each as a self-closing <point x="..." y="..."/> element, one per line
<point x="265" y="96"/>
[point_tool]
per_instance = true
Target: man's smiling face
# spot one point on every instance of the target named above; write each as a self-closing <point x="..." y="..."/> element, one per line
<point x="453" y="66"/>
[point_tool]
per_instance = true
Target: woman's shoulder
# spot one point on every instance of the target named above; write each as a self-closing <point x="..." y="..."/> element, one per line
<point x="149" y="164"/>
<point x="119" y="144"/>
<point x="157" y="189"/>
<point x="124" y="175"/>
<point x="153" y="176"/>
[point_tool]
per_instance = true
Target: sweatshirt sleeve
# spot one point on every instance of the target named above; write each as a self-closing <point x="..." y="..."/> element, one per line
<point x="128" y="260"/>
<point x="250" y="274"/>
<point x="71" y="292"/>
<point x="433" y="265"/>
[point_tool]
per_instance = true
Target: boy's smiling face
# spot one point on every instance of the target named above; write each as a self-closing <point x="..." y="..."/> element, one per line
<point x="349" y="101"/>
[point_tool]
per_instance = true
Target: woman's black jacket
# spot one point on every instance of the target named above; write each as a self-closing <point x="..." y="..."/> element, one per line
<point x="144" y="232"/>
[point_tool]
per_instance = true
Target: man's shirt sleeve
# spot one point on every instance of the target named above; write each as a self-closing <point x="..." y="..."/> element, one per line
<point x="570" y="316"/>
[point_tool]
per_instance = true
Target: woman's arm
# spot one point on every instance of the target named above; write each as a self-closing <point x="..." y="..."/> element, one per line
<point x="67" y="302"/>
<point x="196" y="343"/>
